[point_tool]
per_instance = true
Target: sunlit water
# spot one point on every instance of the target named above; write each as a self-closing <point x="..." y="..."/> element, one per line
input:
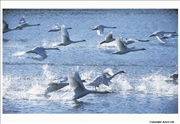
<point x="142" y="89"/>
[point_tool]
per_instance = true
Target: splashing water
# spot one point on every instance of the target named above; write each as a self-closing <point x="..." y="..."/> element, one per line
<point x="155" y="84"/>
<point x="19" y="54"/>
<point x="47" y="73"/>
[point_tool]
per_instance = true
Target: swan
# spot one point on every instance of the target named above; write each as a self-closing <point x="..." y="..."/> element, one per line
<point x="123" y="47"/>
<point x="41" y="51"/>
<point x="100" y="29"/>
<point x="23" y="23"/>
<point x="56" y="28"/>
<point x="7" y="29"/>
<point x="78" y="86"/>
<point x="56" y="86"/>
<point x="105" y="79"/>
<point x="160" y="35"/>
<point x="108" y="38"/>
<point x="65" y="37"/>
<point x="130" y="41"/>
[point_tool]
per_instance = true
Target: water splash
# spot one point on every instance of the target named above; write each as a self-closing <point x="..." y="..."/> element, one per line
<point x="19" y="54"/>
<point x="48" y="75"/>
<point x="156" y="84"/>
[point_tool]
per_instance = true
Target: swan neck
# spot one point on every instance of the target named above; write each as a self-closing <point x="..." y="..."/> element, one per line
<point x="113" y="75"/>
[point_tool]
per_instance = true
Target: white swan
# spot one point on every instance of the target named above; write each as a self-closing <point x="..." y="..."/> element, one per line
<point x="56" y="28"/>
<point x="123" y="47"/>
<point x="7" y="29"/>
<point x="130" y="41"/>
<point x="108" y="38"/>
<point x="160" y="35"/>
<point x="41" y="51"/>
<point x="100" y="29"/>
<point x="23" y="23"/>
<point x="105" y="79"/>
<point x="65" y="37"/>
<point x="56" y="86"/>
<point x="78" y="87"/>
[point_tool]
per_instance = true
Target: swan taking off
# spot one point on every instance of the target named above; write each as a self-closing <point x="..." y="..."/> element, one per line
<point x="7" y="29"/>
<point x="105" y="79"/>
<point x="41" y="51"/>
<point x="56" y="28"/>
<point x="23" y="23"/>
<point x="100" y="29"/>
<point x="160" y="35"/>
<point x="56" y="86"/>
<point x="78" y="86"/>
<point x="123" y="47"/>
<point x="65" y="37"/>
<point x="109" y="38"/>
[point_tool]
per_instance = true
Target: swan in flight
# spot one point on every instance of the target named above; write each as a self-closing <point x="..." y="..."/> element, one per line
<point x="7" y="29"/>
<point x="41" y="51"/>
<point x="56" y="86"/>
<point x="105" y="79"/>
<point x="56" y="28"/>
<point x="108" y="38"/>
<point x="100" y="29"/>
<point x="130" y="41"/>
<point x="122" y="46"/>
<point x="65" y="37"/>
<point x="160" y="35"/>
<point x="78" y="87"/>
<point x="23" y="23"/>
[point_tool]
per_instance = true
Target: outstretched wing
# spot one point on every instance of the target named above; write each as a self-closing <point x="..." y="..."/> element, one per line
<point x="109" y="36"/>
<point x="64" y="31"/>
<point x="75" y="81"/>
<point x="121" y="44"/>
<point x="22" y="20"/>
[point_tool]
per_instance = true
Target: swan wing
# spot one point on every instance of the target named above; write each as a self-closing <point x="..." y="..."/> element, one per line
<point x="65" y="39"/>
<point x="105" y="80"/>
<point x="64" y="31"/>
<point x="121" y="44"/>
<point x="100" y="80"/>
<point x="160" y="39"/>
<point x="56" y="26"/>
<point x="109" y="36"/>
<point x="41" y="51"/>
<point x="22" y="20"/>
<point x="75" y="81"/>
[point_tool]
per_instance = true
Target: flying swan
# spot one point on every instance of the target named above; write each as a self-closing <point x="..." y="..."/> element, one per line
<point x="41" y="51"/>
<point x="123" y="47"/>
<point x="78" y="86"/>
<point x="100" y="29"/>
<point x="65" y="37"/>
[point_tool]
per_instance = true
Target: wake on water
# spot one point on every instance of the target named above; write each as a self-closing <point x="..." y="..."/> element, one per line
<point x="34" y="88"/>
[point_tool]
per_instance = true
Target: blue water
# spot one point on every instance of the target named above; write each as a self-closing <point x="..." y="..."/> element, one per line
<point x="142" y="89"/>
